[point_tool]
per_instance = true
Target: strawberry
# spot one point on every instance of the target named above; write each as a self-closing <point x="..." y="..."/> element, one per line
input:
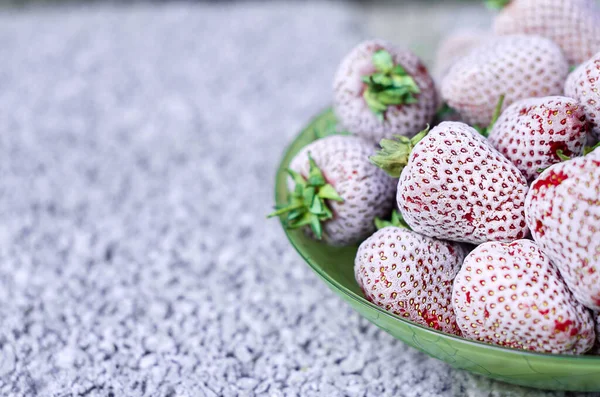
<point x="535" y="133"/>
<point x="455" y="186"/>
<point x="381" y="90"/>
<point x="510" y="294"/>
<point x="573" y="24"/>
<point x="563" y="213"/>
<point x="455" y="46"/>
<point x="583" y="84"/>
<point x="409" y="275"/>
<point x="517" y="66"/>
<point x="337" y="192"/>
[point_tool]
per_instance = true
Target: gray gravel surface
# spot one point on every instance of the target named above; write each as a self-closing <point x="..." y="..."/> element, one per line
<point x="137" y="152"/>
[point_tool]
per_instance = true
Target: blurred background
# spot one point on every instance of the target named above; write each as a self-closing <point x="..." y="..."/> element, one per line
<point x="417" y="23"/>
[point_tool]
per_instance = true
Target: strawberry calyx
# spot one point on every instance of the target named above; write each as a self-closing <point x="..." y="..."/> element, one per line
<point x="394" y="153"/>
<point x="444" y="111"/>
<point x="307" y="205"/>
<point x="496" y="4"/>
<point x="485" y="131"/>
<point x="396" y="221"/>
<point x="390" y="85"/>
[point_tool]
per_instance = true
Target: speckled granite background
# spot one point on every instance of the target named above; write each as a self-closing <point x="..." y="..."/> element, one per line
<point x="137" y="152"/>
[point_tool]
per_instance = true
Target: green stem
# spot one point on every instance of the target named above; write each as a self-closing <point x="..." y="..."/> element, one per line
<point x="396" y="221"/>
<point x="562" y="156"/>
<point x="485" y="131"/>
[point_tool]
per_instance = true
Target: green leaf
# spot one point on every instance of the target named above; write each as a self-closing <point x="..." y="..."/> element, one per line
<point x="309" y="196"/>
<point x="444" y="111"/>
<point x="315" y="176"/>
<point x="396" y="221"/>
<point x="496" y="4"/>
<point x="298" y="179"/>
<point x="296" y="213"/>
<point x="561" y="155"/>
<point x="315" y="225"/>
<point x="485" y="131"/>
<point x="381" y="79"/>
<point x="304" y="220"/>
<point x="383" y="61"/>
<point x="328" y="192"/>
<point x="497" y="111"/>
<point x="306" y="203"/>
<point x="298" y="191"/>
<point x="410" y="100"/>
<point x="395" y="217"/>
<point x="399" y="70"/>
<point x="327" y="214"/>
<point x="406" y="82"/>
<point x="317" y="206"/>
<point x="282" y="211"/>
<point x="394" y="154"/>
<point x="391" y="85"/>
<point x="374" y="103"/>
<point x="381" y="224"/>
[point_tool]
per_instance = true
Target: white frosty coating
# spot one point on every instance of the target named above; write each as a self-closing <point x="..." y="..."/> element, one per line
<point x="516" y="66"/>
<point x="368" y="192"/>
<point x="563" y="213"/>
<point x="410" y="275"/>
<point x="510" y="294"/>
<point x="455" y="46"/>
<point x="457" y="187"/>
<point x="583" y="84"/>
<point x="573" y="24"/>
<point x="354" y="113"/>
<point x="531" y="131"/>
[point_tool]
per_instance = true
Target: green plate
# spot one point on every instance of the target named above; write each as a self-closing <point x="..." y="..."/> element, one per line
<point x="335" y="267"/>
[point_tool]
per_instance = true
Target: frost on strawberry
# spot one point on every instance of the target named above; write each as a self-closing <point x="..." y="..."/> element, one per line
<point x="583" y="84"/>
<point x="335" y="192"/>
<point x="535" y="133"/>
<point x="573" y="24"/>
<point x="454" y="186"/>
<point x="510" y="294"/>
<point x="517" y="66"/>
<point x="563" y="213"/>
<point x="381" y="90"/>
<point x="455" y="46"/>
<point x="410" y="275"/>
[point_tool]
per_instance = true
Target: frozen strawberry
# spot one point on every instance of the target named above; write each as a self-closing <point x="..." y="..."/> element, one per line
<point x="510" y="294"/>
<point x="336" y="193"/>
<point x="517" y="66"/>
<point x="535" y="133"/>
<point x="410" y="275"/>
<point x="583" y="84"/>
<point x="381" y="90"/>
<point x="455" y="46"/>
<point x="563" y="213"/>
<point x="573" y="24"/>
<point x="455" y="186"/>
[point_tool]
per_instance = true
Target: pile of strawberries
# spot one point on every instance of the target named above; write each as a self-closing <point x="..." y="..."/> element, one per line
<point x="495" y="215"/>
